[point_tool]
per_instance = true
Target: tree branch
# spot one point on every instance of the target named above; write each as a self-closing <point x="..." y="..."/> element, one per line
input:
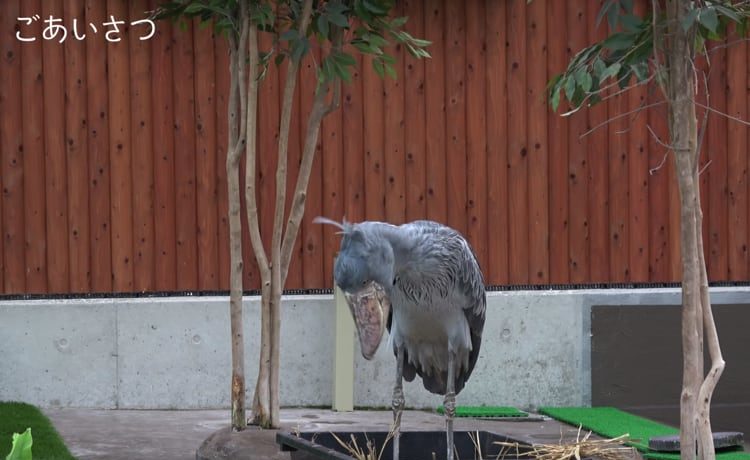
<point x="622" y="115"/>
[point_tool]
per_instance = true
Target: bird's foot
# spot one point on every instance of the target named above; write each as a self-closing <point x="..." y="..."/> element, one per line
<point x="449" y="404"/>
<point x="398" y="400"/>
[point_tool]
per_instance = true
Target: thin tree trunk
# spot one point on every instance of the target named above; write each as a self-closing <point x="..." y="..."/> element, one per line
<point x="683" y="129"/>
<point x="234" y="148"/>
<point x="278" y="278"/>
<point x="262" y="397"/>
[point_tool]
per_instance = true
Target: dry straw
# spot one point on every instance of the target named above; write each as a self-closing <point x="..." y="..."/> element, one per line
<point x="581" y="447"/>
<point x="367" y="452"/>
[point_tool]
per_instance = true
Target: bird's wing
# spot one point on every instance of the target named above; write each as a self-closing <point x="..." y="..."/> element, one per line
<point x="471" y="283"/>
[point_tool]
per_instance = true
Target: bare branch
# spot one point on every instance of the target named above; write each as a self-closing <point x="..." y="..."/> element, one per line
<point x="724" y="114"/>
<point x="658" y="139"/>
<point x="705" y="167"/>
<point x="622" y="115"/>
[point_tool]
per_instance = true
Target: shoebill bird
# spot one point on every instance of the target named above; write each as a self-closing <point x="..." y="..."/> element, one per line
<point x="422" y="282"/>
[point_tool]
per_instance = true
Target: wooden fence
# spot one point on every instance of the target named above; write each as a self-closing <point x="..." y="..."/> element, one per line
<point x="113" y="153"/>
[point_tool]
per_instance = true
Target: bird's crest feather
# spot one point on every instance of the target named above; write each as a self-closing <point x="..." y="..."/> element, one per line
<point x="345" y="227"/>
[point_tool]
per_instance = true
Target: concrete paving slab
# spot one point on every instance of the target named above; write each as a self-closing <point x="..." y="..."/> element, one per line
<point x="95" y="434"/>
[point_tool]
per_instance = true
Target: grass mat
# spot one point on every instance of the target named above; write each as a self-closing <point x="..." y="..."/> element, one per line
<point x="486" y="411"/>
<point x="610" y="422"/>
<point x="16" y="417"/>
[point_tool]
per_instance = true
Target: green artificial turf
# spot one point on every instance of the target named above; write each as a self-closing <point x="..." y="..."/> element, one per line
<point x="610" y="422"/>
<point x="16" y="417"/>
<point x="486" y="411"/>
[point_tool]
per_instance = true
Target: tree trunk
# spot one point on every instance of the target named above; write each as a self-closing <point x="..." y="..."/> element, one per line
<point x="684" y="136"/>
<point x="262" y="397"/>
<point x="695" y="425"/>
<point x="235" y="144"/>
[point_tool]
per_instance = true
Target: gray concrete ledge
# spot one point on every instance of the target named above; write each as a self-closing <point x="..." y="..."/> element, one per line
<point x="174" y="353"/>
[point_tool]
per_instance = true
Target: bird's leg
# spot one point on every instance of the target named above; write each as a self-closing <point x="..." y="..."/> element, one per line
<point x="449" y="404"/>
<point x="398" y="400"/>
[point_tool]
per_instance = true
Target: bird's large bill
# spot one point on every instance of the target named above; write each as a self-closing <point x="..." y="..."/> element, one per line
<point x="370" y="307"/>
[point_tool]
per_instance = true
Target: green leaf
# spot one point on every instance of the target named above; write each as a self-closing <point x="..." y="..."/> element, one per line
<point x="689" y="20"/>
<point x="323" y="26"/>
<point x="344" y="59"/>
<point x="342" y="72"/>
<point x="338" y="19"/>
<point x="399" y="22"/>
<point x="609" y="4"/>
<point x="709" y="19"/>
<point x="584" y="80"/>
<point x="631" y="22"/>
<point x="374" y="7"/>
<point x="570" y="87"/>
<point x="194" y="8"/>
<point x="391" y="71"/>
<point x="379" y="68"/>
<point x="641" y="71"/>
<point x="619" y="41"/>
<point x="555" y="99"/>
<point x="599" y="67"/>
<point x="610" y="71"/>
<point x="300" y="48"/>
<point x="21" y="448"/>
<point x="728" y="12"/>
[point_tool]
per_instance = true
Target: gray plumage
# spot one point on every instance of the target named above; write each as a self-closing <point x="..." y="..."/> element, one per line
<point x="435" y="286"/>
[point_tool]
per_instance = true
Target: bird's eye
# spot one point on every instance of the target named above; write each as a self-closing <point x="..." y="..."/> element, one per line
<point x="364" y="282"/>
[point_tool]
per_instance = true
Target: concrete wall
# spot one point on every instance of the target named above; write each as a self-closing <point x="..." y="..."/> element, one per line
<point x="174" y="352"/>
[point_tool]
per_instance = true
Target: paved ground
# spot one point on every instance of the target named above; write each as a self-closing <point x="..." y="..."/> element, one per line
<point x="175" y="435"/>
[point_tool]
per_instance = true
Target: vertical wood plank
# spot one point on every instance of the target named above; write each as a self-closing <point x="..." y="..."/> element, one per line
<point x="619" y="205"/>
<point x="205" y="154"/>
<point x="333" y="179"/>
<point x="638" y="247"/>
<point x="476" y="130"/>
<point x="538" y="160"/>
<point x="141" y="133"/>
<point x="312" y="255"/>
<point x="55" y="165"/>
<point x="658" y="190"/>
<point x="675" y="261"/>
<point x="184" y="144"/>
<point x="496" y="111"/>
<point x="578" y="164"/>
<point x="455" y="113"/>
<point x="120" y="155"/>
<point x="598" y="172"/>
<point x="221" y="53"/>
<point x="557" y="60"/>
<point x="703" y="160"/>
<point x="518" y="165"/>
<point x="394" y="158"/>
<point x="434" y="20"/>
<point x="703" y="165"/>
<point x="737" y="242"/>
<point x="99" y="189"/>
<point x="11" y="138"/>
<point x="165" y="250"/>
<point x="374" y="143"/>
<point x="353" y="138"/>
<point x="32" y="123"/>
<point x="414" y="118"/>
<point x="718" y="249"/>
<point x="76" y="149"/>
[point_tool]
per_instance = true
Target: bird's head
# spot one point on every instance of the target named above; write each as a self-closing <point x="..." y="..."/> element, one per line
<point x="364" y="272"/>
